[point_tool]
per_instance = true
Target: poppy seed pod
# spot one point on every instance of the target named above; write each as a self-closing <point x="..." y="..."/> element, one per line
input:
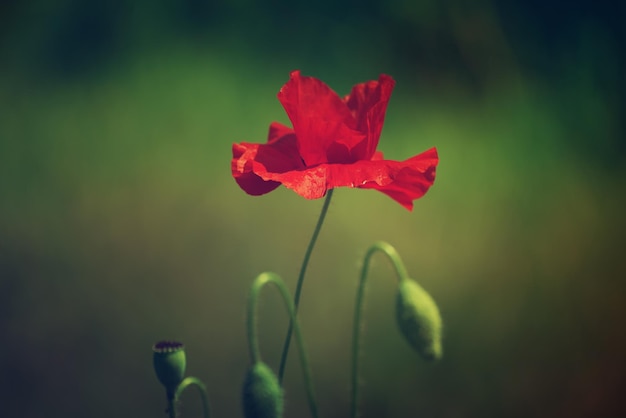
<point x="169" y="363"/>
<point x="262" y="394"/>
<point x="419" y="319"/>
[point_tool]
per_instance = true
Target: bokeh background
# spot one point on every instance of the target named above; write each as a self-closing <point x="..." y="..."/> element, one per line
<point x="120" y="224"/>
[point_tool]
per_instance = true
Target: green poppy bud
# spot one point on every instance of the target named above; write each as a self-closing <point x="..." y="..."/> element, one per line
<point x="169" y="363"/>
<point x="262" y="394"/>
<point x="419" y="319"/>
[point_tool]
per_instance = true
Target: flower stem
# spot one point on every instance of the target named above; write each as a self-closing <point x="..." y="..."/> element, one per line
<point x="171" y="406"/>
<point x="253" y="338"/>
<point x="296" y="298"/>
<point x="401" y="273"/>
<point x="188" y="381"/>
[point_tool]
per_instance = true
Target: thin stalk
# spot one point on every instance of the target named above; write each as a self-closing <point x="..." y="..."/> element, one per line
<point x="401" y="273"/>
<point x="296" y="298"/>
<point x="171" y="406"/>
<point x="253" y="338"/>
<point x="189" y="381"/>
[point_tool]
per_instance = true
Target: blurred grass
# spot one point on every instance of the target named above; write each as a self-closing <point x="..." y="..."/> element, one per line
<point x="120" y="225"/>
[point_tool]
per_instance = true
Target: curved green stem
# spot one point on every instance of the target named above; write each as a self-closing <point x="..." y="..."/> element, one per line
<point x="296" y="298"/>
<point x="401" y="273"/>
<point x="253" y="338"/>
<point x="189" y="381"/>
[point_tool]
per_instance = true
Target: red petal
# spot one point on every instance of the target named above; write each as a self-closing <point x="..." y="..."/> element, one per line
<point x="323" y="124"/>
<point x="403" y="181"/>
<point x="411" y="179"/>
<point x="368" y="103"/>
<point x="279" y="155"/>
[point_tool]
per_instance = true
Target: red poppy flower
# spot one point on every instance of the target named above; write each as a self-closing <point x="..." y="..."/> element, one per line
<point x="332" y="144"/>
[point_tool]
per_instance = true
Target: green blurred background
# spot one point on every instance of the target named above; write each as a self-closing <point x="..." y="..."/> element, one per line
<point x="120" y="223"/>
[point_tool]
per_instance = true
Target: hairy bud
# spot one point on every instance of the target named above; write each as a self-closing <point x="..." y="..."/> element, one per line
<point x="419" y="319"/>
<point x="262" y="394"/>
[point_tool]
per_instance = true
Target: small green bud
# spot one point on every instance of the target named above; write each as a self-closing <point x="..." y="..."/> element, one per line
<point x="169" y="363"/>
<point x="419" y="319"/>
<point x="262" y="394"/>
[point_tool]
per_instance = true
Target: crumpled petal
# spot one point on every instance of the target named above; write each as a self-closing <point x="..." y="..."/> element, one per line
<point x="323" y="124"/>
<point x="368" y="104"/>
<point x="279" y="155"/>
<point x="403" y="181"/>
<point x="412" y="178"/>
